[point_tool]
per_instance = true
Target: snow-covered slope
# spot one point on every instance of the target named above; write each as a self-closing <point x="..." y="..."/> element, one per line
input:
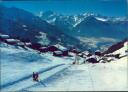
<point x="25" y="26"/>
<point x="99" y="77"/>
<point x="57" y="74"/>
<point x="111" y="76"/>
<point x="18" y="64"/>
<point x="123" y="50"/>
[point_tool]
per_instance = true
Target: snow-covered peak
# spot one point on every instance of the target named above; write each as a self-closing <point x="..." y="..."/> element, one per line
<point x="40" y="14"/>
<point x="88" y="14"/>
<point x="51" y="21"/>
<point x="46" y="14"/>
<point x="72" y="21"/>
<point x="24" y="26"/>
<point x="101" y="19"/>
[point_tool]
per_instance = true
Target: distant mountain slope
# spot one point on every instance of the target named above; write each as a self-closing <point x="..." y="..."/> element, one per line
<point x="82" y="31"/>
<point x="89" y="25"/>
<point x="95" y="30"/>
<point x="18" y="23"/>
<point x="92" y="27"/>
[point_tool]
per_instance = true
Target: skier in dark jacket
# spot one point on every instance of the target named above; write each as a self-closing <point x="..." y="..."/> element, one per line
<point x="35" y="76"/>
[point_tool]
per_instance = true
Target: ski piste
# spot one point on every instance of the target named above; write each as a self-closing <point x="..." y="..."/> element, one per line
<point x="28" y="79"/>
<point x="87" y="75"/>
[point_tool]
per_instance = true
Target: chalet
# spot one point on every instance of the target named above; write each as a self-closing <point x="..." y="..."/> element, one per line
<point x="60" y="47"/>
<point x="52" y="48"/>
<point x="117" y="56"/>
<point x="74" y="51"/>
<point x="112" y="55"/>
<point x="57" y="53"/>
<point x="81" y="54"/>
<point x="4" y="36"/>
<point x="89" y="55"/>
<point x="27" y="43"/>
<point x="64" y="50"/>
<point x="35" y="46"/>
<point x="92" y="60"/>
<point x="12" y="41"/>
<point x="20" y="44"/>
<point x="43" y="49"/>
<point x="70" y="54"/>
<point x="98" y="53"/>
<point x="103" y="60"/>
<point x="109" y="59"/>
<point x="126" y="51"/>
<point x="84" y="56"/>
<point x="85" y="53"/>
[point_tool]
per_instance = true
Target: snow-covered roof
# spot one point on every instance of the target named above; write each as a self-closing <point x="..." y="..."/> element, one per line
<point x="43" y="47"/>
<point x="20" y="43"/>
<point x="4" y="36"/>
<point x="93" y="56"/>
<point x="58" y="52"/>
<point x="86" y="52"/>
<point x="28" y="43"/>
<point x="101" y="19"/>
<point x="60" y="47"/>
<point x="84" y="56"/>
<point x="80" y="54"/>
<point x="12" y="40"/>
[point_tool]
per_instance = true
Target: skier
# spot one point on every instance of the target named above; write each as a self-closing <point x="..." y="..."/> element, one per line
<point x="35" y="76"/>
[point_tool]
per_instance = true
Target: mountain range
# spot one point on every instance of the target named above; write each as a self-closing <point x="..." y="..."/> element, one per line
<point x="89" y="25"/>
<point x="82" y="31"/>
<point x="92" y="29"/>
<point x="21" y="24"/>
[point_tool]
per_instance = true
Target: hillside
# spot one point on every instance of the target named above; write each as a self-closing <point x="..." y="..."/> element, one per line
<point x="88" y="25"/>
<point x="58" y="73"/>
<point x="97" y="31"/>
<point x="25" y="26"/>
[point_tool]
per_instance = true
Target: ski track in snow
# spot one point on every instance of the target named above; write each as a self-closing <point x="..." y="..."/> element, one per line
<point x="22" y="83"/>
<point x="75" y="76"/>
<point x="27" y="77"/>
<point x="66" y="77"/>
<point x="90" y="77"/>
<point x="48" y="80"/>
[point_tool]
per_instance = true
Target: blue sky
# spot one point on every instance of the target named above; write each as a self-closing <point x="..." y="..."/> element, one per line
<point x="67" y="7"/>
